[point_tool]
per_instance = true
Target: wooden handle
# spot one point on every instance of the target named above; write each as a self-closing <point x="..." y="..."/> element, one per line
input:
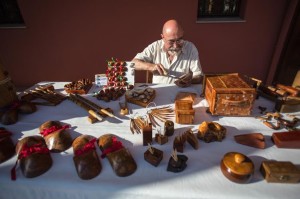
<point x="96" y="115"/>
<point x="107" y="113"/>
<point x="235" y="102"/>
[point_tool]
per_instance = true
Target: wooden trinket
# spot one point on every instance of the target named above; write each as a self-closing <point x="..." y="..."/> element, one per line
<point x="47" y="93"/>
<point x="179" y="142"/>
<point x="237" y="167"/>
<point x="288" y="104"/>
<point x="211" y="131"/>
<point x="153" y="156"/>
<point x="80" y="87"/>
<point x="169" y="128"/>
<point x="184" y="108"/>
<point x="33" y="156"/>
<point x="118" y="156"/>
<point x="147" y="134"/>
<point x="160" y="139"/>
<point x="141" y="97"/>
<point x="56" y="136"/>
<point x="163" y="114"/>
<point x="177" y="163"/>
<point x="85" y="158"/>
<point x="191" y="138"/>
<point x="229" y="95"/>
<point x="289" y="139"/>
<point x="280" y="172"/>
<point x="256" y="140"/>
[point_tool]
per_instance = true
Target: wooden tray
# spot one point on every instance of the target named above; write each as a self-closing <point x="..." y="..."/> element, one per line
<point x="85" y="90"/>
<point x="134" y="96"/>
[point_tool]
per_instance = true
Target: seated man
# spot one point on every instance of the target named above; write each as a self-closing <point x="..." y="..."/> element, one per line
<point x="170" y="57"/>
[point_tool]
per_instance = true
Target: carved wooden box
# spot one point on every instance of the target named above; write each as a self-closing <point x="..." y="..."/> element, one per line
<point x="229" y="95"/>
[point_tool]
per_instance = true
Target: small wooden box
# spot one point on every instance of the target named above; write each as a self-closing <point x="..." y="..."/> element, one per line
<point x="184" y="108"/>
<point x="280" y="172"/>
<point x="289" y="139"/>
<point x="161" y="139"/>
<point x="185" y="116"/>
<point x="287" y="105"/>
<point x="229" y="95"/>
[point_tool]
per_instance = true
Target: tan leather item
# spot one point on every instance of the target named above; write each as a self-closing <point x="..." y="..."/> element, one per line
<point x="85" y="158"/>
<point x="119" y="157"/>
<point x="33" y="156"/>
<point x="289" y="139"/>
<point x="56" y="136"/>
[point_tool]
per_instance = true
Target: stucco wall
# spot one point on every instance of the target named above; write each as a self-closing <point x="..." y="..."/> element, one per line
<point x="67" y="40"/>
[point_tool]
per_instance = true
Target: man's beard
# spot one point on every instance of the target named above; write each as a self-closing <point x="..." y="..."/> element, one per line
<point x="174" y="51"/>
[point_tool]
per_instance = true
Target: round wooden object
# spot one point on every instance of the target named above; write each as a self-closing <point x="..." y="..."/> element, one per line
<point x="237" y="167"/>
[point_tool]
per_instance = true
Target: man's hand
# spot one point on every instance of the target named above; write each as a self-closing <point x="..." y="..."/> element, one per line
<point x="159" y="68"/>
<point x="154" y="68"/>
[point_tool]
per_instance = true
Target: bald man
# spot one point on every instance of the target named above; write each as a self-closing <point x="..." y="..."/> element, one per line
<point x="170" y="57"/>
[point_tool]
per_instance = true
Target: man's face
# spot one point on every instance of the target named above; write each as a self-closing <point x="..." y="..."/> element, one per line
<point x="173" y="43"/>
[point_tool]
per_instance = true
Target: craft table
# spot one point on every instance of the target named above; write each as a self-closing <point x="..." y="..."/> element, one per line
<point x="201" y="179"/>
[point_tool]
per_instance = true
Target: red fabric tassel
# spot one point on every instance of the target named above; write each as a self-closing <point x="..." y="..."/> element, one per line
<point x="87" y="147"/>
<point x="52" y="129"/>
<point x="116" y="145"/>
<point x="26" y="151"/>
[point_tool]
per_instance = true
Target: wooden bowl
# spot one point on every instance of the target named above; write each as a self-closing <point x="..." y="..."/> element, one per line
<point x="237" y="167"/>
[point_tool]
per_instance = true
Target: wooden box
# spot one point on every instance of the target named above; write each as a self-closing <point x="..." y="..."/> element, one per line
<point x="289" y="139"/>
<point x="185" y="116"/>
<point x="288" y="104"/>
<point x="229" y="95"/>
<point x="280" y="172"/>
<point x="184" y="108"/>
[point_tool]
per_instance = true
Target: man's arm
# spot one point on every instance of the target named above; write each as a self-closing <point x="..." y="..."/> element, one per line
<point x="142" y="65"/>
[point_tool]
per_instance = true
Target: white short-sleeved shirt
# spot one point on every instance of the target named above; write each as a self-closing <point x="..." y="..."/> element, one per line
<point x="186" y="61"/>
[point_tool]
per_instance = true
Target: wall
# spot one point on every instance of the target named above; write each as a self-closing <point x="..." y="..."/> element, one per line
<point x="72" y="39"/>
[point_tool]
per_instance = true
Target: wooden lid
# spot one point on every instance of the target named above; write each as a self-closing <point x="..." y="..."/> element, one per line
<point x="238" y="163"/>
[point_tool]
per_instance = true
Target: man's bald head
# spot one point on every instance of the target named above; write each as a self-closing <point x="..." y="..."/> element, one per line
<point x="172" y="29"/>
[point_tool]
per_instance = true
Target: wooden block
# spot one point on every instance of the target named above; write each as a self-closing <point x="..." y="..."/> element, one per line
<point x="290" y="139"/>
<point x="280" y="172"/>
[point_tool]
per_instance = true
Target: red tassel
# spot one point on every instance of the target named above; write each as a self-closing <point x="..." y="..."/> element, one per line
<point x="87" y="147"/>
<point x="116" y="145"/>
<point x="13" y="174"/>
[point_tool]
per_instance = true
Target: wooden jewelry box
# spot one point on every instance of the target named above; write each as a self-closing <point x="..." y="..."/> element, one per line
<point x="280" y="172"/>
<point x="184" y="108"/>
<point x="229" y="94"/>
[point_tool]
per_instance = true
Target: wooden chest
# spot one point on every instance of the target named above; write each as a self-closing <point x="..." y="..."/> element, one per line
<point x="280" y="172"/>
<point x="229" y="95"/>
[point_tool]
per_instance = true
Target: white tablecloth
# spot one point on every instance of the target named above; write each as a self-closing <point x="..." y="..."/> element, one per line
<point x="201" y="179"/>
